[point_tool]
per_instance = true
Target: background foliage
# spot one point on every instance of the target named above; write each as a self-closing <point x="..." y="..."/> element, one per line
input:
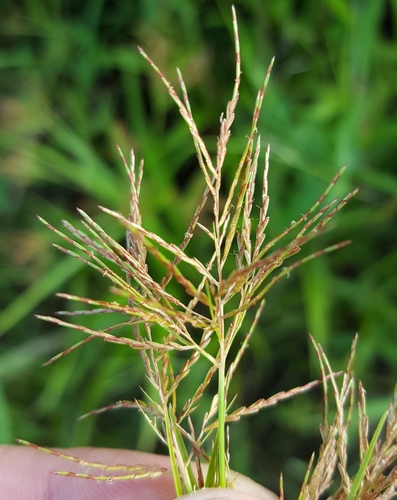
<point x="72" y="85"/>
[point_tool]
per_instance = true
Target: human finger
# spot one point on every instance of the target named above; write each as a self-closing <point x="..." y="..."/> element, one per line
<point x="26" y="474"/>
<point x="244" y="489"/>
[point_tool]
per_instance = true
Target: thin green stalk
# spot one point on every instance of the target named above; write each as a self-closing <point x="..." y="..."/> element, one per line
<point x="221" y="417"/>
<point x="188" y="477"/>
<point x="174" y="466"/>
<point x="212" y="469"/>
<point x="367" y="457"/>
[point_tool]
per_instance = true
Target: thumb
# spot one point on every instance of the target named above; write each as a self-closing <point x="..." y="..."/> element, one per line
<point x="245" y="489"/>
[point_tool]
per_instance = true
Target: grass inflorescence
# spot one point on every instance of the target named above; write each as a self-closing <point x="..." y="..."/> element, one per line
<point x="242" y="268"/>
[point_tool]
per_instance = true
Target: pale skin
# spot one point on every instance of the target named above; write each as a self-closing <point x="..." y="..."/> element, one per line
<point x="25" y="474"/>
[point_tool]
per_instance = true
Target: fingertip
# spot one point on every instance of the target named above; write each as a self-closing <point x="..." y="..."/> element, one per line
<point x="227" y="494"/>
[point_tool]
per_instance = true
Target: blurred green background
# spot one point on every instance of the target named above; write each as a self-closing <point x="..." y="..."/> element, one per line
<point x="72" y="85"/>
